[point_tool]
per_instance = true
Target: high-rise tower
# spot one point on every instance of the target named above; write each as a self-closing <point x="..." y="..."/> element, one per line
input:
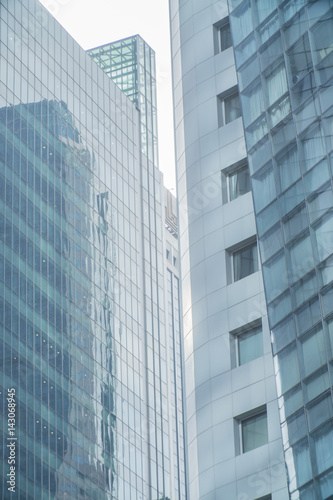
<point x="234" y="445"/>
<point x="284" y="54"/>
<point x="82" y="269"/>
<point x="253" y="112"/>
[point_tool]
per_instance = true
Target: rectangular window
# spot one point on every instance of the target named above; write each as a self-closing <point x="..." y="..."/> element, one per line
<point x="254" y="431"/>
<point x="222" y="35"/>
<point x="245" y="261"/>
<point x="249" y="345"/>
<point x="229" y="108"/>
<point x="232" y="108"/>
<point x="239" y="182"/>
<point x="225" y="37"/>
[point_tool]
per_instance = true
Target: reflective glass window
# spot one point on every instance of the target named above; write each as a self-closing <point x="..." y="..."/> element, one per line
<point x="276" y="83"/>
<point x="287" y="368"/>
<point x="295" y="28"/>
<point x="296" y="427"/>
<point x="241" y="22"/>
<point x="293" y="401"/>
<point x="290" y="8"/>
<point x="267" y="218"/>
<point x="279" y="111"/>
<point x="304" y="289"/>
<point x="275" y="276"/>
<point x="326" y="271"/>
<point x="283" y="334"/>
<point x="312" y="351"/>
<point x="295" y="222"/>
<point x="268" y="29"/>
<point x="256" y="131"/>
<point x="270" y="52"/>
<point x="320" y="203"/>
<point x="308" y="316"/>
<point x="322" y="446"/>
<point x="329" y="335"/>
<point x="326" y="484"/>
<point x="317" y="177"/>
<point x="302" y="462"/>
<point x="316" y="384"/>
<point x="299" y="60"/>
<point x="322" y="36"/>
<point x="323" y="232"/>
<point x="283" y="134"/>
<point x="248" y="72"/>
<point x="319" y="412"/>
<point x="300" y="257"/>
<point x="253" y="103"/>
<point x="288" y="167"/>
<point x="312" y="147"/>
<point x="271" y="243"/>
<point x="291" y="198"/>
<point x="245" y="50"/>
<point x="302" y="90"/>
<point x="262" y="9"/>
<point x="263" y="185"/>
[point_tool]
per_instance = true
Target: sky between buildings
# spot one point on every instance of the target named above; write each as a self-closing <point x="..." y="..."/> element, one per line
<point x="96" y="22"/>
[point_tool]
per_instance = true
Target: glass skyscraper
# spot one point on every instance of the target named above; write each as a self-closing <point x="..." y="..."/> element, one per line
<point x="253" y="87"/>
<point x="284" y="54"/>
<point x="83" y="333"/>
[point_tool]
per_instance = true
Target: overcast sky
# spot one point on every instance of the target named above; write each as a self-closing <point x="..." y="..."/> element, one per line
<point x="96" y="22"/>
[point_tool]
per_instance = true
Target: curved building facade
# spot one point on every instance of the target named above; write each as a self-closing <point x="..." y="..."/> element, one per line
<point x="265" y="66"/>
<point x="284" y="54"/>
<point x="234" y="443"/>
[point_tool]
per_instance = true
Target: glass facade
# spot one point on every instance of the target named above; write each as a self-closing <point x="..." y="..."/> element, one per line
<point x="83" y="339"/>
<point x="125" y="56"/>
<point x="287" y="110"/>
<point x="175" y="346"/>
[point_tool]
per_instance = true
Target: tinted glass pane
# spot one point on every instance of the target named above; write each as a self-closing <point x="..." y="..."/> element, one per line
<point x="232" y="108"/>
<point x="239" y="183"/>
<point x="225" y="37"/>
<point x="254" y="432"/>
<point x="245" y="262"/>
<point x="250" y="345"/>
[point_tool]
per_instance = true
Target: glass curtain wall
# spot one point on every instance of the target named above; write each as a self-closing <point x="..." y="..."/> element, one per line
<point x="118" y="60"/>
<point x="290" y="152"/>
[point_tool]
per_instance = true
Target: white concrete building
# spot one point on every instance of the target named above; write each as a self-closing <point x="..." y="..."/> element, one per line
<point x="233" y="430"/>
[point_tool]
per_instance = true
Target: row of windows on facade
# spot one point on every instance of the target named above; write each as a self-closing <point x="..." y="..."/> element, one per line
<point x="249" y="343"/>
<point x="229" y="107"/>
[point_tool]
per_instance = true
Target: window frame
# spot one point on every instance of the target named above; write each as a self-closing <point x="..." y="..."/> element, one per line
<point x="253" y="414"/>
<point x="242" y="167"/>
<point x="221" y="101"/>
<point x="226" y="174"/>
<point x="218" y="27"/>
<point x="257" y="325"/>
<point x="237" y="250"/>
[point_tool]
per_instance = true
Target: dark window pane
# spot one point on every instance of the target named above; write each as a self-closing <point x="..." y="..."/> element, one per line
<point x="245" y="261"/>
